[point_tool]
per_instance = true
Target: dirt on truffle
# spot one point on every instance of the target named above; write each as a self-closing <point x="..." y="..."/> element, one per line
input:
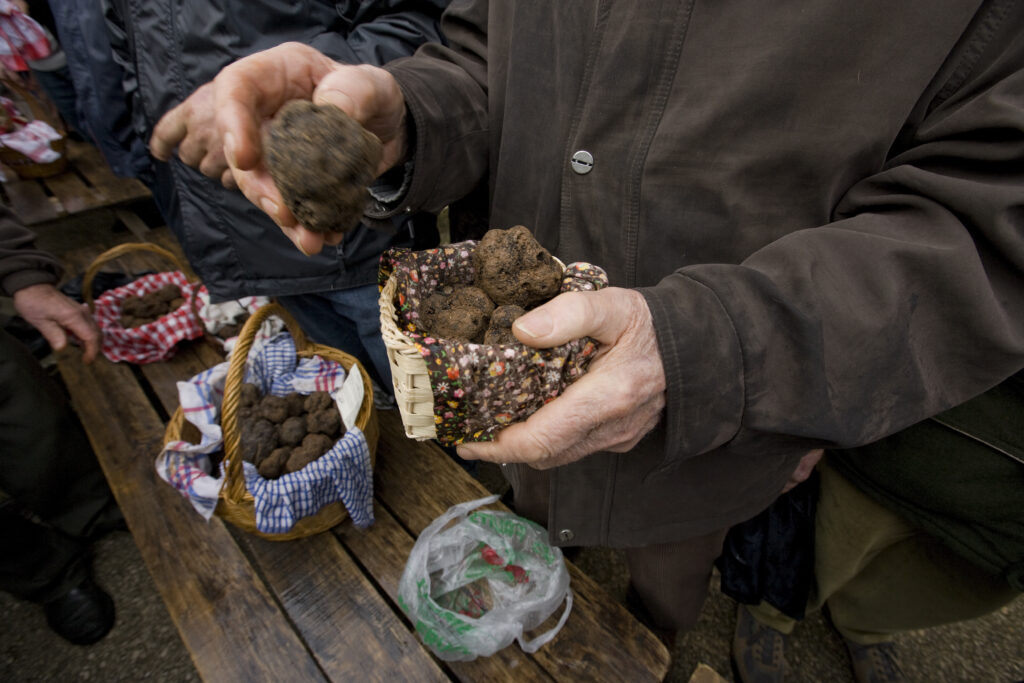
<point x="140" y="310"/>
<point x="513" y="273"/>
<point x="283" y="434"/>
<point x="322" y="161"/>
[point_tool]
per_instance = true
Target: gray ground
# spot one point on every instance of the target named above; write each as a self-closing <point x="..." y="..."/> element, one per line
<point x="144" y="644"/>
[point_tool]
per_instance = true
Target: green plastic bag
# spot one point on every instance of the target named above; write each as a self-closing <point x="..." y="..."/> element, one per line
<point x="478" y="579"/>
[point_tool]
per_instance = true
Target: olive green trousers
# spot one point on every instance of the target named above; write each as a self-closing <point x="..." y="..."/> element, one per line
<point x="879" y="575"/>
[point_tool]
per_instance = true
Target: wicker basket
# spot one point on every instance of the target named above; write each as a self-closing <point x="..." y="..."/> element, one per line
<point x="413" y="393"/>
<point x="236" y="504"/>
<point x="24" y="166"/>
<point x="127" y="248"/>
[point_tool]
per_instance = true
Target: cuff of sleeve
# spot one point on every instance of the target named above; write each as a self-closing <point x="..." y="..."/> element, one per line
<point x="703" y="364"/>
<point x="26" y="278"/>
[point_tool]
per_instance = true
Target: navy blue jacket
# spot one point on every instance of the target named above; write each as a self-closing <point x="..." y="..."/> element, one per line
<point x="167" y="50"/>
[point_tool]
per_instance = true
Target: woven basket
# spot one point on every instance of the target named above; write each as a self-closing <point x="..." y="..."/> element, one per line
<point x="236" y="504"/>
<point x="413" y="393"/>
<point x="127" y="248"/>
<point x="24" y="166"/>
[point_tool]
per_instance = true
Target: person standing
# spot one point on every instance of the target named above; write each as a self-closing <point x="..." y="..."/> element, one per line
<point x="56" y="498"/>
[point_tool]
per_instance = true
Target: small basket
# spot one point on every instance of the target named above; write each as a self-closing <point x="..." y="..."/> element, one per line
<point x="156" y="340"/>
<point x="236" y="504"/>
<point x="413" y="394"/>
<point x="422" y="410"/>
<point x="121" y="250"/>
<point x="26" y="167"/>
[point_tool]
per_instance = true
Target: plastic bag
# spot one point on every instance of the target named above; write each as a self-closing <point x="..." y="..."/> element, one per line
<point x="478" y="579"/>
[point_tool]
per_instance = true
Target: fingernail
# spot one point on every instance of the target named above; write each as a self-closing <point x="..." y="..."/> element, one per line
<point x="229" y="149"/>
<point x="536" y="324"/>
<point x="466" y="452"/>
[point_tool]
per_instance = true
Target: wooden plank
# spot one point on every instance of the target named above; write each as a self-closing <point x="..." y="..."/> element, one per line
<point x="135" y="225"/>
<point x="383" y="550"/>
<point x="73" y="194"/>
<point x="347" y="625"/>
<point x="600" y="641"/>
<point x="31" y="204"/>
<point x="344" y="622"/>
<point x="90" y="164"/>
<point x="231" y="625"/>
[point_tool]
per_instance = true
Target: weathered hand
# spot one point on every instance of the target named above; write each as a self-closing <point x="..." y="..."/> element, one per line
<point x="244" y="97"/>
<point x="190" y="128"/>
<point x="614" y="405"/>
<point x="56" y="316"/>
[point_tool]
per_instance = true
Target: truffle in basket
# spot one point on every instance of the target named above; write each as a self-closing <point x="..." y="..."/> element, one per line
<point x="140" y="310"/>
<point x="283" y="434"/>
<point x="447" y="316"/>
<point x="512" y="272"/>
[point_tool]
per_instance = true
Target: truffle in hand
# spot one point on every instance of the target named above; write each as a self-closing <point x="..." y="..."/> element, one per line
<point x="322" y="161"/>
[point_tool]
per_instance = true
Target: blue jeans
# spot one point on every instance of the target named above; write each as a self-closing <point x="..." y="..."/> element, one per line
<point x="346" y="319"/>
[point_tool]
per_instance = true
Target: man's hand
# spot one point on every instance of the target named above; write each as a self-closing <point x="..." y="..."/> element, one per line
<point x="192" y="129"/>
<point x="804" y="468"/>
<point x="612" y="407"/>
<point x="56" y="316"/>
<point x="244" y="97"/>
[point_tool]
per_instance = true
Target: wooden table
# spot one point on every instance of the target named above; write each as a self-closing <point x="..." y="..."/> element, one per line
<point x="86" y="184"/>
<point x="323" y="607"/>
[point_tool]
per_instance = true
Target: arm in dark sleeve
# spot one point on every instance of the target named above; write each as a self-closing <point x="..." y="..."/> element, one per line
<point x="21" y="263"/>
<point x="381" y="31"/>
<point x="909" y="303"/>
<point x="445" y="90"/>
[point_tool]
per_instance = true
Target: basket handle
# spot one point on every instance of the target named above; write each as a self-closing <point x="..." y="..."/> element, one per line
<point x="116" y="252"/>
<point x="234" y="482"/>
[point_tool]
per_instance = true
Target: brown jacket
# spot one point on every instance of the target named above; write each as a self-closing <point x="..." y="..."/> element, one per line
<point x="824" y="209"/>
<point x="21" y="263"/>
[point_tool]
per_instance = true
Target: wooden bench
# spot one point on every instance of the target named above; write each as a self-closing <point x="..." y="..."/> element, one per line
<point x="86" y="184"/>
<point x="323" y="607"/>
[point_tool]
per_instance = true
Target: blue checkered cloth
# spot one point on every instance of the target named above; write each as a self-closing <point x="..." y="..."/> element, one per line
<point x="343" y="474"/>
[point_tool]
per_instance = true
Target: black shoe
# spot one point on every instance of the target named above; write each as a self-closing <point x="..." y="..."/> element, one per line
<point x="83" y="615"/>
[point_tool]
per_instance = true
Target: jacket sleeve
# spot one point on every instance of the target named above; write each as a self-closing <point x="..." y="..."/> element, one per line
<point x="445" y="90"/>
<point x="381" y="31"/>
<point x="21" y="263"/>
<point x="909" y="303"/>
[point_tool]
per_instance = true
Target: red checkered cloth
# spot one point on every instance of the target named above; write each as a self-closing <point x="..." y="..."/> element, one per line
<point x="153" y="341"/>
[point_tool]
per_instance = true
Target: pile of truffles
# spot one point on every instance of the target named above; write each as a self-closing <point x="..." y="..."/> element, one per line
<point x="233" y="328"/>
<point x="283" y="434"/>
<point x="513" y="273"/>
<point x="140" y="310"/>
<point x="322" y="161"/>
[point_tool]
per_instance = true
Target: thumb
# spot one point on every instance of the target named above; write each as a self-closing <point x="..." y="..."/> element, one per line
<point x="602" y="315"/>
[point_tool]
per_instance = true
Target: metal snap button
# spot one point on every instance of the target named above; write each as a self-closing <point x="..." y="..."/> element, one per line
<point x="582" y="162"/>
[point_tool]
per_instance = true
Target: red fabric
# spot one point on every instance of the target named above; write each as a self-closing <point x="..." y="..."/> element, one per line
<point x="21" y="38"/>
<point x="153" y="341"/>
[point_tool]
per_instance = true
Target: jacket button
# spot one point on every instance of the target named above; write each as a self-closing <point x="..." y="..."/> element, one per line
<point x="582" y="162"/>
<point x="566" y="535"/>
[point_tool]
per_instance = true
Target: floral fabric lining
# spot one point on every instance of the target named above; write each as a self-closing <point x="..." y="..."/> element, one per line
<point x="481" y="388"/>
